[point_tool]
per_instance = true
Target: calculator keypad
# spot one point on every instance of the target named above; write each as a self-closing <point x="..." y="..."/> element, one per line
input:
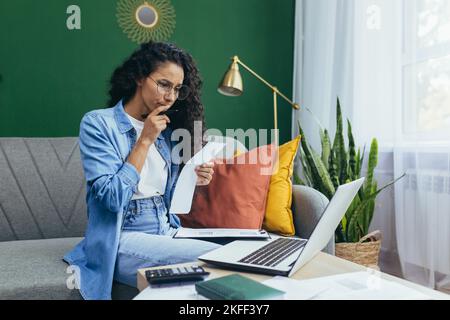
<point x="175" y="274"/>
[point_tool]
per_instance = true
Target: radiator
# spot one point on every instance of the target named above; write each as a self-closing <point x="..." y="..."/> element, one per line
<point x="423" y="208"/>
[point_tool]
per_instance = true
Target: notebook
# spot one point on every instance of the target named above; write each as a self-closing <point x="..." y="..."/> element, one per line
<point x="237" y="287"/>
<point x="221" y="233"/>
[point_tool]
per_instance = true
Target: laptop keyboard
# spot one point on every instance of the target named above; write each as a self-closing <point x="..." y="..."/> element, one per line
<point x="273" y="253"/>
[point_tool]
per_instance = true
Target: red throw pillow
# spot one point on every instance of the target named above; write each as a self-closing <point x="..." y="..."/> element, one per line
<point x="236" y="196"/>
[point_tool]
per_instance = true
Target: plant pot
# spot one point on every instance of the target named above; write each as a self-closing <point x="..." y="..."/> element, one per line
<point x="365" y="252"/>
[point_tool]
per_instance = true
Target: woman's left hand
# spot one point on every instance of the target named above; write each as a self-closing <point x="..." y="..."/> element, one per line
<point x="204" y="173"/>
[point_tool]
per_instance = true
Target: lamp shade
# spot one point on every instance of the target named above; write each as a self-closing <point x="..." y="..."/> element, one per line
<point x="231" y="84"/>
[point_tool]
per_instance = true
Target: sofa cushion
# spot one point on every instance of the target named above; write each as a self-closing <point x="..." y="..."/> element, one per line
<point x="34" y="269"/>
<point x="42" y="189"/>
<point x="308" y="207"/>
<point x="278" y="217"/>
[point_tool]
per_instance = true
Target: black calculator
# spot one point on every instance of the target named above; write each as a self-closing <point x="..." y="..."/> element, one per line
<point x="169" y="275"/>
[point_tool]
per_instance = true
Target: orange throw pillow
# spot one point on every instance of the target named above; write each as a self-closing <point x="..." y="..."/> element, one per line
<point x="236" y="196"/>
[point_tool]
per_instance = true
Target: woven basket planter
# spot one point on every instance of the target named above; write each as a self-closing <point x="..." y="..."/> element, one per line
<point x="365" y="252"/>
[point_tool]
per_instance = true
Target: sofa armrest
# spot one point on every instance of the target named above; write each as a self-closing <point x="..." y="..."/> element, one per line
<point x="308" y="205"/>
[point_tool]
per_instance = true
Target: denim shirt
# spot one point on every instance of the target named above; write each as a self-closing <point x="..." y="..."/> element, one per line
<point x="106" y="139"/>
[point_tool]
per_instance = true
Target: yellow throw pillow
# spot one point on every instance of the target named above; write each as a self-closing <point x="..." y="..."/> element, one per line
<point x="278" y="217"/>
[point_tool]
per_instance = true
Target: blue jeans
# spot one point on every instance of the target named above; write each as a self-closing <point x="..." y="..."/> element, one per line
<point x="146" y="241"/>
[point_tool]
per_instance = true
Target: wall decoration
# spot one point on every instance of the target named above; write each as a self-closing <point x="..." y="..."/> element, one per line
<point x="143" y="21"/>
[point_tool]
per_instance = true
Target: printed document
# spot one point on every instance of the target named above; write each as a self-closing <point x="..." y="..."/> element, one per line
<point x="185" y="187"/>
<point x="348" y="286"/>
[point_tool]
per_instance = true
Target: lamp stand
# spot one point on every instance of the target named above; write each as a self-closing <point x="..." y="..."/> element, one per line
<point x="275" y="115"/>
<point x="232" y="86"/>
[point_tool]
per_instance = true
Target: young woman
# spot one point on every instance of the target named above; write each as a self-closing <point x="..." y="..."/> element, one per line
<point x="130" y="172"/>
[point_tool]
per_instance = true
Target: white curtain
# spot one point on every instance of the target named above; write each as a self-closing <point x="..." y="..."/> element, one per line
<point x="322" y="63"/>
<point x="389" y="63"/>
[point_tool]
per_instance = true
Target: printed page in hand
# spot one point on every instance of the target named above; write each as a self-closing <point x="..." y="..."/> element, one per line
<point x="185" y="187"/>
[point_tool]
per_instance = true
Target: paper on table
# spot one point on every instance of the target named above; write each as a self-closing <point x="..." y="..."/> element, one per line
<point x="295" y="289"/>
<point x="185" y="187"/>
<point x="173" y="291"/>
<point x="221" y="233"/>
<point x="353" y="286"/>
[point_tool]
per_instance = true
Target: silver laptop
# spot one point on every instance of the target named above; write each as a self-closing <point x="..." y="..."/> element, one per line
<point x="284" y="256"/>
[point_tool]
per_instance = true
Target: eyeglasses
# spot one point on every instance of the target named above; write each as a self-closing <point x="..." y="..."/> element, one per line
<point x="165" y="88"/>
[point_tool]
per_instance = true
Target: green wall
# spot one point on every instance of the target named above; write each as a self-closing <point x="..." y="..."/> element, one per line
<point x="50" y="76"/>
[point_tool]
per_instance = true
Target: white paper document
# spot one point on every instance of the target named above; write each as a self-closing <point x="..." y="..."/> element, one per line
<point x="222" y="233"/>
<point x="185" y="187"/>
<point x="347" y="286"/>
<point x="173" y="291"/>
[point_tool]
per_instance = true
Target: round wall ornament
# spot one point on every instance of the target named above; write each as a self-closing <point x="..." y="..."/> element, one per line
<point x="143" y="21"/>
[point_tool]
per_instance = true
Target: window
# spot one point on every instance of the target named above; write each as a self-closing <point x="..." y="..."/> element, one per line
<point x="426" y="70"/>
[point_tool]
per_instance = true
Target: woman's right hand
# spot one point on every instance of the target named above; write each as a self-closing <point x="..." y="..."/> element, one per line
<point x="154" y="124"/>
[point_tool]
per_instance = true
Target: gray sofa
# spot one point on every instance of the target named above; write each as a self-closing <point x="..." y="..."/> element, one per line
<point x="43" y="215"/>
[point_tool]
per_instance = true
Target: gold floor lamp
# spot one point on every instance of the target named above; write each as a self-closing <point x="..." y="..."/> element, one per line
<point x="232" y="85"/>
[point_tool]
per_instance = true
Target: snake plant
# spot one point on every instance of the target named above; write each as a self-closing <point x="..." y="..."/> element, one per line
<point x="339" y="164"/>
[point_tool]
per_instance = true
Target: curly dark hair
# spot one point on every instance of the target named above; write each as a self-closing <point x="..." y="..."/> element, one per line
<point x="142" y="63"/>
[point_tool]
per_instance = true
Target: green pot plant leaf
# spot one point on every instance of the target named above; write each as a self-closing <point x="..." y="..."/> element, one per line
<point x="337" y="164"/>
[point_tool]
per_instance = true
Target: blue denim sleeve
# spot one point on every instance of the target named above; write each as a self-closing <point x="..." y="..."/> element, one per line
<point x="112" y="180"/>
